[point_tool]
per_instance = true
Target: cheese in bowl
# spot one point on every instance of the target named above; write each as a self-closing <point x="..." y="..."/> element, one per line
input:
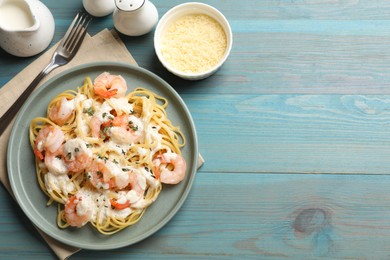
<point x="193" y="40"/>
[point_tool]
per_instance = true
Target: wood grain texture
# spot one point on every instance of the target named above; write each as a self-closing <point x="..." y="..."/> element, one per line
<point x="294" y="129"/>
<point x="245" y="216"/>
<point x="293" y="133"/>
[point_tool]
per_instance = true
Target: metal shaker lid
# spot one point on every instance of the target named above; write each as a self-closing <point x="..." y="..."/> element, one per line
<point x="129" y="5"/>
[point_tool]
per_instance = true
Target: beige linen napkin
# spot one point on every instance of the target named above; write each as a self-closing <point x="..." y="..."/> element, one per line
<point x="104" y="46"/>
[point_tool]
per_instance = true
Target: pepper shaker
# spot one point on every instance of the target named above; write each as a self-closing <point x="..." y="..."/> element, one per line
<point x="134" y="17"/>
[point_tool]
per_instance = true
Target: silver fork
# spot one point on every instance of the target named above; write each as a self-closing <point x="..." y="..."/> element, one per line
<point x="65" y="51"/>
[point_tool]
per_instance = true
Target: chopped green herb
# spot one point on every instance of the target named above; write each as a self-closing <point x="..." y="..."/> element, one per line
<point x="104" y="131"/>
<point x="132" y="126"/>
<point x="89" y="111"/>
<point x="115" y="161"/>
<point x="102" y="134"/>
<point x="76" y="150"/>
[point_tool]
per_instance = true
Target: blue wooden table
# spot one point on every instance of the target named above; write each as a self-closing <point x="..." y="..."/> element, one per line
<point x="295" y="131"/>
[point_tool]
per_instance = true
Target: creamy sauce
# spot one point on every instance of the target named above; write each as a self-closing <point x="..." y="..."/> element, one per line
<point x="55" y="182"/>
<point x="15" y="16"/>
<point x="57" y="166"/>
<point x="121" y="104"/>
<point x="74" y="146"/>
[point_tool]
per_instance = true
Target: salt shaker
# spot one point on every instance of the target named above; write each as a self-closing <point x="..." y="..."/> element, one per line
<point x="134" y="17"/>
<point x="99" y="8"/>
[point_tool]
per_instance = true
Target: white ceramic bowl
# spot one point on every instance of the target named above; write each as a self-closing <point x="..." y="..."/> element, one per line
<point x="186" y="9"/>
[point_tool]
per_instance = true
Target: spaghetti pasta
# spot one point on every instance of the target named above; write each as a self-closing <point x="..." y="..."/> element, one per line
<point x="102" y="154"/>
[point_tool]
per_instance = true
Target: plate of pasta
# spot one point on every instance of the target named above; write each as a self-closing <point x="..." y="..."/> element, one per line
<point x="102" y="155"/>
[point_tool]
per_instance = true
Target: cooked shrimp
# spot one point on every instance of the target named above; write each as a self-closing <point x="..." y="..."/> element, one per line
<point x="164" y="173"/>
<point x="78" y="210"/>
<point x="137" y="183"/>
<point x="119" y="205"/>
<point x="101" y="118"/>
<point x="95" y="124"/>
<point x="126" y="129"/>
<point x="135" y="194"/>
<point x="62" y="111"/>
<point x="99" y="175"/>
<point x="77" y="155"/>
<point x="55" y="162"/>
<point x="122" y="136"/>
<point x="107" y="85"/>
<point x="49" y="138"/>
<point x="96" y="172"/>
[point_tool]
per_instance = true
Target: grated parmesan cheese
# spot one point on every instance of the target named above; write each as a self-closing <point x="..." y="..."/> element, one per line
<point x="194" y="43"/>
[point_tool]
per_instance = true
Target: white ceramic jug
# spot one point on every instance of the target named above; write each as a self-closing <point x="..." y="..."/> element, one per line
<point x="134" y="17"/>
<point x="26" y="27"/>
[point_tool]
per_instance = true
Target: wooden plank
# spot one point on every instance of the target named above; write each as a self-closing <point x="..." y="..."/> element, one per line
<point x="296" y="9"/>
<point x="19" y="239"/>
<point x="293" y="133"/>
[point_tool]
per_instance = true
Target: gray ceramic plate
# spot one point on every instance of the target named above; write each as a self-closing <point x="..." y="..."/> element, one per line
<point x="21" y="169"/>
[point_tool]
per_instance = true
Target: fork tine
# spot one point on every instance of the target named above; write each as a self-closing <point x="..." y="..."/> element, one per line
<point x="80" y="32"/>
<point x="70" y="30"/>
<point x="77" y="31"/>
